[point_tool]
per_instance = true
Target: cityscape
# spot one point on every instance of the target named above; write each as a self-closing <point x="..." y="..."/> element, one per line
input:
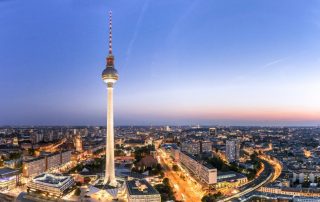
<point x="237" y="132"/>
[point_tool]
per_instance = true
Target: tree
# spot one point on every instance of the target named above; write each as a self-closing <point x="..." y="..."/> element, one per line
<point x="119" y="152"/>
<point x="165" y="181"/>
<point x="31" y="151"/>
<point x="77" y="192"/>
<point x="165" y="190"/>
<point x="175" y="168"/>
<point x="140" y="152"/>
<point x="211" y="197"/>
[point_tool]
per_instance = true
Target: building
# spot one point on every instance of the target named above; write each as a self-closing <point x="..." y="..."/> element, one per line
<point x="46" y="162"/>
<point x="213" y="132"/>
<point x="291" y="191"/>
<point x="36" y="138"/>
<point x="191" y="147"/>
<point x="174" y="152"/>
<point x="205" y="146"/>
<point x="196" y="147"/>
<point x="9" y="178"/>
<point x="141" y="191"/>
<point x="15" y="141"/>
<point x="78" y="143"/>
<point x="230" y="179"/>
<point x="34" y="166"/>
<point x="53" y="160"/>
<point x="52" y="185"/>
<point x="65" y="157"/>
<point x="233" y="150"/>
<point x="201" y="170"/>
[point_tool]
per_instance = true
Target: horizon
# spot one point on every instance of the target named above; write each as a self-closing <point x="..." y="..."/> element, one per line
<point x="199" y="62"/>
<point x="190" y="125"/>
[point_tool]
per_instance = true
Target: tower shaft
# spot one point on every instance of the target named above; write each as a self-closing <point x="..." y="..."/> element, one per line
<point x="110" y="171"/>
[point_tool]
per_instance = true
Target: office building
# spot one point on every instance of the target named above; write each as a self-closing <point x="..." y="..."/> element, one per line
<point x="9" y="178"/>
<point x="213" y="132"/>
<point x="141" y="191"/>
<point x="203" y="171"/>
<point x="46" y="162"/>
<point x="230" y="179"/>
<point x="78" y="143"/>
<point x="196" y="147"/>
<point x="233" y="150"/>
<point x="34" y="166"/>
<point x="52" y="185"/>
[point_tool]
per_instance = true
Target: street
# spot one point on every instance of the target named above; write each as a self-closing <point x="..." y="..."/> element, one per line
<point x="186" y="189"/>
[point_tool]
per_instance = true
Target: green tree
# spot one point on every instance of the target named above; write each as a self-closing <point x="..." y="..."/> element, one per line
<point x="175" y="168"/>
<point x="211" y="197"/>
<point x="77" y="192"/>
<point x="165" y="190"/>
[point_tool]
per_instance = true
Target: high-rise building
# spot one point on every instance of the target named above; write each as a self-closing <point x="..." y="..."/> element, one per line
<point x="191" y="147"/>
<point x="78" y="143"/>
<point x="15" y="141"/>
<point x="110" y="76"/>
<point x="36" y="138"/>
<point x="46" y="162"/>
<point x="233" y="150"/>
<point x="203" y="171"/>
<point x="205" y="146"/>
<point x="168" y="128"/>
<point x="196" y="147"/>
<point x="213" y="132"/>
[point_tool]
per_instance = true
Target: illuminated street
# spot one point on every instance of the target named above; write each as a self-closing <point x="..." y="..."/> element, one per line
<point x="185" y="189"/>
<point x="263" y="178"/>
<point x="277" y="167"/>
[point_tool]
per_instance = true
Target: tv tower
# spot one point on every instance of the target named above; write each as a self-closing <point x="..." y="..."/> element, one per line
<point x="110" y="76"/>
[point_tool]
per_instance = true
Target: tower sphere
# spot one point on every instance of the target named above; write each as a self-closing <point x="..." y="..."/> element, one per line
<point x="110" y="75"/>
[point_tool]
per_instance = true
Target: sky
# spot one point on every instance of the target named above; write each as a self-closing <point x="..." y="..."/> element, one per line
<point x="181" y="62"/>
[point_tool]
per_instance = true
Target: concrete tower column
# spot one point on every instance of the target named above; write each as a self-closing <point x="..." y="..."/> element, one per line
<point x="110" y="172"/>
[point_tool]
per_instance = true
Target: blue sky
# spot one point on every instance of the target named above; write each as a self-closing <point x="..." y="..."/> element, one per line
<point x="229" y="62"/>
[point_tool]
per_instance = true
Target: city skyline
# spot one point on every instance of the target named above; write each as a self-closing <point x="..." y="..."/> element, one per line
<point x="184" y="62"/>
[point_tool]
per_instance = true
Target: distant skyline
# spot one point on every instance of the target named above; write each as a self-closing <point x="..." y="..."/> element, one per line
<point x="207" y="62"/>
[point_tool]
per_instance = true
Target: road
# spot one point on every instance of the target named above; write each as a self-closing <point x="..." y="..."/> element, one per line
<point x="185" y="190"/>
<point x="275" y="163"/>
<point x="272" y="171"/>
<point x="264" y="177"/>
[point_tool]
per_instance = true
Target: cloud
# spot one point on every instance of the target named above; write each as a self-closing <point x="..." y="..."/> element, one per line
<point x="272" y="63"/>
<point x="257" y="70"/>
<point x="136" y="30"/>
<point x="183" y="17"/>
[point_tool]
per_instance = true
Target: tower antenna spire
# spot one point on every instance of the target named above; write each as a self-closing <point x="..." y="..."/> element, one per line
<point x="110" y="32"/>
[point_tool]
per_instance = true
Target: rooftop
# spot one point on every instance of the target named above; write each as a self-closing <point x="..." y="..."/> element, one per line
<point x="230" y="175"/>
<point x="54" y="180"/>
<point x="204" y="163"/>
<point x="4" y="172"/>
<point x="140" y="187"/>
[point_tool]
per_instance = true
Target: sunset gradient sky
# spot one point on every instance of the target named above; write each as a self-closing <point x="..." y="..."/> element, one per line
<point x="227" y="62"/>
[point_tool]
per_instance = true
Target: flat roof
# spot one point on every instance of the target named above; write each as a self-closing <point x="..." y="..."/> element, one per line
<point x="54" y="180"/>
<point x="8" y="172"/>
<point x="140" y="187"/>
<point x="204" y="163"/>
<point x="34" y="159"/>
<point x="229" y="175"/>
